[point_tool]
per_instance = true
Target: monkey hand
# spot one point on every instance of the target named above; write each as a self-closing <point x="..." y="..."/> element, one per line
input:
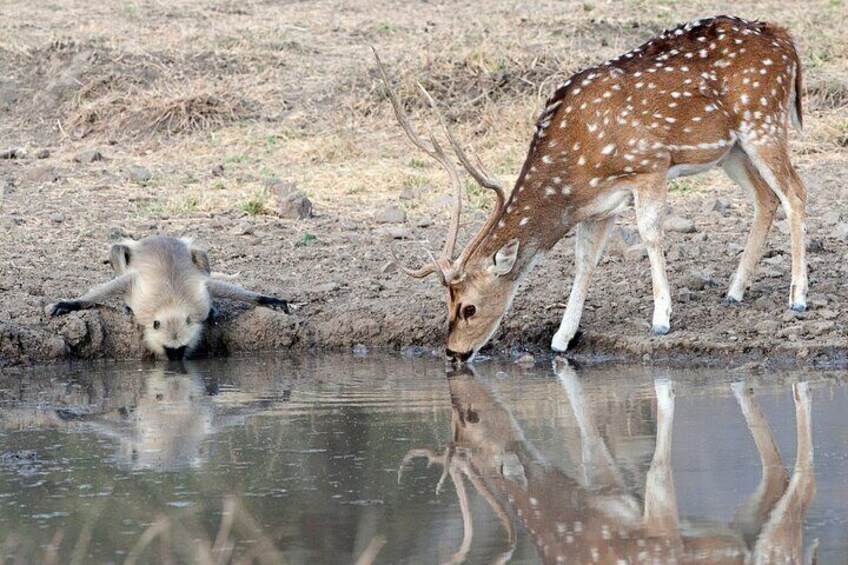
<point x="274" y="303"/>
<point x="63" y="307"/>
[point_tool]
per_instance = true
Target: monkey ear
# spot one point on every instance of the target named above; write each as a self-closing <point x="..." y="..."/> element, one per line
<point x="201" y="260"/>
<point x="504" y="259"/>
<point x="119" y="257"/>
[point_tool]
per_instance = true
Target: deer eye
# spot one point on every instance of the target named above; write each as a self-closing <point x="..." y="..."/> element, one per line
<point x="156" y="324"/>
<point x="469" y="311"/>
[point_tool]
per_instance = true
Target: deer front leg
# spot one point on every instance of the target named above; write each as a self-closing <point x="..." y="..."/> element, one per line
<point x="589" y="243"/>
<point x="115" y="287"/>
<point x="661" y="514"/>
<point x="649" y="201"/>
<point x="222" y="289"/>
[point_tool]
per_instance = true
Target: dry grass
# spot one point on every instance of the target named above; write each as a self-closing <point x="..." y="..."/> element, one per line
<point x="290" y="91"/>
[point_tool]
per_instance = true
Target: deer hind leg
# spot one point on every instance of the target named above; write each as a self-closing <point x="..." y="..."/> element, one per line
<point x="772" y="162"/>
<point x="649" y="201"/>
<point x="589" y="243"/>
<point x="753" y="513"/>
<point x="781" y="540"/>
<point x="739" y="167"/>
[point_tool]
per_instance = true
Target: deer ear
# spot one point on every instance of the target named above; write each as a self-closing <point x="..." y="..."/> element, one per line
<point x="504" y="259"/>
<point x="119" y="257"/>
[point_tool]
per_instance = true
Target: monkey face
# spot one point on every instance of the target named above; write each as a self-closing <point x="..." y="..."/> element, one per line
<point x="173" y="333"/>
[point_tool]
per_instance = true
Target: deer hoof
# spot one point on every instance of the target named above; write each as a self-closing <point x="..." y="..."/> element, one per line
<point x="659" y="330"/>
<point x="798" y="307"/>
<point x="730" y="300"/>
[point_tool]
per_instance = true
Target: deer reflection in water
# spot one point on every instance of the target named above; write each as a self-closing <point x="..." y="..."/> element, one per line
<point x="586" y="513"/>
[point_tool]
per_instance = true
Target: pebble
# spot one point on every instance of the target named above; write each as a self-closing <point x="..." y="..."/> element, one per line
<point x="390" y="267"/>
<point x="88" y="156"/>
<point x="395" y="232"/>
<point x="6" y="187"/>
<point x="42" y="154"/>
<point x="42" y="174"/>
<point x="291" y="202"/>
<point x="819" y="328"/>
<point x="828" y="314"/>
<point x="57" y="217"/>
<point x="242" y="228"/>
<point x="719" y="205"/>
<point x="684" y="294"/>
<point x="326" y="288"/>
<point x="526" y="359"/>
<point x="767" y="327"/>
<point x="138" y="173"/>
<point x="218" y="170"/>
<point x="831" y="218"/>
<point x="840" y="231"/>
<point x="74" y="330"/>
<point x="678" y="224"/>
<point x="360" y="350"/>
<point x="815" y="246"/>
<point x="764" y="304"/>
<point x="636" y="252"/>
<point x="424" y="223"/>
<point x="391" y="215"/>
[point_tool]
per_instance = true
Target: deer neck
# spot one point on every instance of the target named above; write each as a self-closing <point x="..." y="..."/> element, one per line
<point x="532" y="217"/>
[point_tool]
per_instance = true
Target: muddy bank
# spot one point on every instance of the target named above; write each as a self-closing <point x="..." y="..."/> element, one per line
<point x="348" y="294"/>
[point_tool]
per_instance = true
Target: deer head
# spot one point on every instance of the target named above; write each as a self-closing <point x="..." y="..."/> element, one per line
<point x="481" y="281"/>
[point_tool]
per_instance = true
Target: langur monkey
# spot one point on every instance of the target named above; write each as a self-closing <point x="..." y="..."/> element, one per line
<point x="168" y="285"/>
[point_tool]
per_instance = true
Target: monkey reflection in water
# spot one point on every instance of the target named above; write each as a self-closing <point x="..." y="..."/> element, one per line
<point x="585" y="514"/>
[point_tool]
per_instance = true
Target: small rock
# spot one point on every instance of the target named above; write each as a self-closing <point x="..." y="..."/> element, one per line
<point x="767" y="327"/>
<point x="291" y="202"/>
<point x="42" y="174"/>
<point x="148" y="225"/>
<point x="88" y="156"/>
<point x="828" y="314"/>
<point x="636" y="252"/>
<point x="792" y="333"/>
<point x="242" y="228"/>
<point x="621" y="239"/>
<point x="719" y="205"/>
<point x="349" y="224"/>
<point x="395" y="232"/>
<point x="792" y="315"/>
<point x="326" y="288"/>
<point x="360" y="350"/>
<point x="840" y="231"/>
<point x="42" y="154"/>
<point x="138" y="173"/>
<point x="678" y="224"/>
<point x="831" y="218"/>
<point x="734" y="249"/>
<point x="10" y="221"/>
<point x="410" y="193"/>
<point x="764" y="304"/>
<point x="57" y="217"/>
<point x="391" y="215"/>
<point x="218" y="170"/>
<point x="389" y="268"/>
<point x="815" y="246"/>
<point x="443" y="202"/>
<point x="74" y="330"/>
<point x="698" y="281"/>
<point x="526" y="360"/>
<point x="117" y="234"/>
<point x="424" y="223"/>
<point x="107" y="180"/>
<point x="57" y="347"/>
<point x="684" y="294"/>
<point x="819" y="328"/>
<point x="13" y="153"/>
<point x="6" y="187"/>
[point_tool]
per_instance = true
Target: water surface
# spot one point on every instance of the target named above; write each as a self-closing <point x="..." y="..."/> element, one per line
<point x="335" y="459"/>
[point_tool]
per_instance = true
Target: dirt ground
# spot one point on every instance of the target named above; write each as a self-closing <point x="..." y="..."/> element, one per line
<point x="183" y="118"/>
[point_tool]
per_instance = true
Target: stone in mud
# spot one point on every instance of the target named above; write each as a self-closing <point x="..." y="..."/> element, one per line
<point x="218" y="170"/>
<point x="57" y="217"/>
<point x="424" y="223"/>
<point x="391" y="215"/>
<point x="719" y="205"/>
<point x="138" y="173"/>
<point x="395" y="232"/>
<point x="636" y="252"/>
<point x="74" y="330"/>
<point x="840" y="231"/>
<point x="242" y="228"/>
<point x="291" y="202"/>
<point x="677" y="224"/>
<point x="815" y="246"/>
<point x="6" y="187"/>
<point x="42" y="154"/>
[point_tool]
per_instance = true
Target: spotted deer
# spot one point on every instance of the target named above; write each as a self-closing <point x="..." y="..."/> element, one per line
<point x="583" y="511"/>
<point x="713" y="92"/>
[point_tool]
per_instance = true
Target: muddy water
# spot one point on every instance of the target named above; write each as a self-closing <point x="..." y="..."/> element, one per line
<point x="297" y="461"/>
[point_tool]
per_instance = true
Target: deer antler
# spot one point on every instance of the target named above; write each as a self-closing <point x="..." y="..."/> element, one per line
<point x="445" y="265"/>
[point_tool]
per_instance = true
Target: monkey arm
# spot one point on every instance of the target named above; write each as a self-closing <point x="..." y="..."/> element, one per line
<point x="90" y="299"/>
<point x="223" y="289"/>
